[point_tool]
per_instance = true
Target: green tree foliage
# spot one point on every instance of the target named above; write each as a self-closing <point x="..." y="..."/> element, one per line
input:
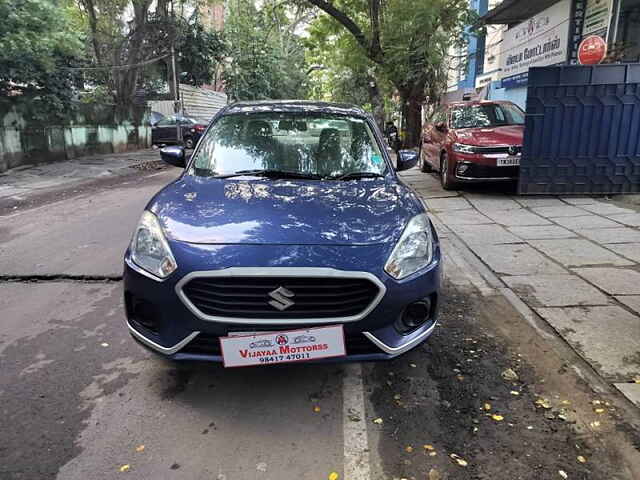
<point x="131" y="43"/>
<point x="125" y="36"/>
<point x="199" y="52"/>
<point x="408" y="42"/>
<point x="343" y="73"/>
<point x="37" y="43"/>
<point x="266" y="54"/>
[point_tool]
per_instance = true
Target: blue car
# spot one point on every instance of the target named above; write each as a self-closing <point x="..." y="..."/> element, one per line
<point x="289" y="221"/>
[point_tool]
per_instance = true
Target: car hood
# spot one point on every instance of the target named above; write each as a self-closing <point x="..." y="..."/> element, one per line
<point x="483" y="137"/>
<point x="264" y="211"/>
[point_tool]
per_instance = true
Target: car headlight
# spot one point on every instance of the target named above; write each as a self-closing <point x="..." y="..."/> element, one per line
<point x="462" y="148"/>
<point x="414" y="250"/>
<point x="149" y="248"/>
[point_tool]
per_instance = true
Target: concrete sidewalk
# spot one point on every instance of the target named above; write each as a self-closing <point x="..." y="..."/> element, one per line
<point x="573" y="260"/>
<point x="19" y="183"/>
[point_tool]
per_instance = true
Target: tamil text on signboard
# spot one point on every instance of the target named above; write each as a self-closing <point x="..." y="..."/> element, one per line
<point x="540" y="41"/>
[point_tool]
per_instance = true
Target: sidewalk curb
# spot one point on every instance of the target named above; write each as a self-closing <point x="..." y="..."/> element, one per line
<point x="578" y="364"/>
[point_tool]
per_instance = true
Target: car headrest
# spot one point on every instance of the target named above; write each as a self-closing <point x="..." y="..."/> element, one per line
<point x="285" y="125"/>
<point x="259" y="128"/>
<point x="329" y="139"/>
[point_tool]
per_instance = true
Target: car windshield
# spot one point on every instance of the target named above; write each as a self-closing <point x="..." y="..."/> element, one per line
<point x="304" y="145"/>
<point x="490" y="115"/>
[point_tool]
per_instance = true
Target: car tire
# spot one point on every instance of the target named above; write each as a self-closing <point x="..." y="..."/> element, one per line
<point x="189" y="143"/>
<point x="445" y="177"/>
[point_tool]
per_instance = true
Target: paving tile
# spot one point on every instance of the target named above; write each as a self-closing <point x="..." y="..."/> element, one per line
<point x="463" y="217"/>
<point x="579" y="200"/>
<point x="492" y="203"/>
<point x="423" y="181"/>
<point x="515" y="260"/>
<point x="447" y="204"/>
<point x="411" y="172"/>
<point x="631" y="219"/>
<point x="606" y="337"/>
<point x="541" y="232"/>
<point x="492" y="234"/>
<point x="603" y="208"/>
<point x="577" y="252"/>
<point x="631" y="301"/>
<point x="560" y="211"/>
<point x="537" y="201"/>
<point x="516" y="218"/>
<point x="611" y="235"/>
<point x="631" y="391"/>
<point x="555" y="290"/>
<point x="585" y="222"/>
<point x="629" y="250"/>
<point x="436" y="192"/>
<point x="614" y="281"/>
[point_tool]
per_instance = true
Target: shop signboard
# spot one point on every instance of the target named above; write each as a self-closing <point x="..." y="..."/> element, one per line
<point x="597" y="17"/>
<point x="592" y="50"/>
<point x="540" y="41"/>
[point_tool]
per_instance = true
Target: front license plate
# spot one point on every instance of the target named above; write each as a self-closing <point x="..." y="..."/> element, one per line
<point x="508" y="161"/>
<point x="282" y="347"/>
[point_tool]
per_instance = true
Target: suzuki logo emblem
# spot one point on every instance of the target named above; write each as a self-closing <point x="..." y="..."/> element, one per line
<point x="281" y="298"/>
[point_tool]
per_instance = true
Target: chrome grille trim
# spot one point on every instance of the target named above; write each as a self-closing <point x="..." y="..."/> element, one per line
<point x="317" y="272"/>
<point x="160" y="348"/>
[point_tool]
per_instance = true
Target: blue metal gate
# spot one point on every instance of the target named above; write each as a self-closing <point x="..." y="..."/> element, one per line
<point x="582" y="130"/>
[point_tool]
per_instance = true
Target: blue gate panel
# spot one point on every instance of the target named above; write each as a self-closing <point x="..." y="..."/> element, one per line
<point x="582" y="130"/>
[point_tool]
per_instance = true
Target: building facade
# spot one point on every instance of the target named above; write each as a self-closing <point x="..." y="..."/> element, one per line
<point x="212" y="14"/>
<point x="467" y="61"/>
<point x="522" y="34"/>
<point x="492" y="51"/>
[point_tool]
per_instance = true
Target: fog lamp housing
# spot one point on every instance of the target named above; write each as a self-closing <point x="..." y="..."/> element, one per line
<point x="414" y="315"/>
<point x="463" y="168"/>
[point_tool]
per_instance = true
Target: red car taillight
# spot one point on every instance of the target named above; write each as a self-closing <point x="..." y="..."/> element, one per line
<point x="200" y="128"/>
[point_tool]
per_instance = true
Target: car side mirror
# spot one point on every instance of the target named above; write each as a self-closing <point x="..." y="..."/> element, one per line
<point x="406" y="159"/>
<point x="441" y="126"/>
<point x="173" y="155"/>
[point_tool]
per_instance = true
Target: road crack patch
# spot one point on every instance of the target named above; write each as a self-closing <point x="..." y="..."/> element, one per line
<point x="60" y="278"/>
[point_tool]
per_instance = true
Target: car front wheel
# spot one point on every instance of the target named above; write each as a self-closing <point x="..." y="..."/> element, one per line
<point x="445" y="176"/>
<point x="189" y="143"/>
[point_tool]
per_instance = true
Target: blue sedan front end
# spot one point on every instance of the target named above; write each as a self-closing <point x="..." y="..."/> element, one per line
<point x="247" y="251"/>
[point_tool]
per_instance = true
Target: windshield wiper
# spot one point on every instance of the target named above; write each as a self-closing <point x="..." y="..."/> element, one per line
<point x="270" y="173"/>
<point x="355" y="175"/>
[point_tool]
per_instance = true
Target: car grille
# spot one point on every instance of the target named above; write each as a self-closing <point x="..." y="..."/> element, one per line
<point x="249" y="297"/>
<point x="485" y="171"/>
<point x="490" y="150"/>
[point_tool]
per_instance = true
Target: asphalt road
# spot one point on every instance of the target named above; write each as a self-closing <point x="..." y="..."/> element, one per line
<point x="80" y="400"/>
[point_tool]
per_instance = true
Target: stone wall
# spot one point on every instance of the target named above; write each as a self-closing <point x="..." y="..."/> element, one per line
<point x="28" y="139"/>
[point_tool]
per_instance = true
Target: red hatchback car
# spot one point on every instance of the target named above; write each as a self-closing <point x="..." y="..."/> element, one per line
<point x="472" y="142"/>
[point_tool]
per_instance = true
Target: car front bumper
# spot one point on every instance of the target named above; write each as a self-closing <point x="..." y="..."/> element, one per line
<point x="174" y="329"/>
<point x="480" y="168"/>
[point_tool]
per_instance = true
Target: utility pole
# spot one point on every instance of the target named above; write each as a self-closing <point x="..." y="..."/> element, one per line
<point x="176" y="104"/>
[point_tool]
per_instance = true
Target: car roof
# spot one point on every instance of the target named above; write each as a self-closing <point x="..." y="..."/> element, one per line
<point x="478" y="102"/>
<point x="299" y="106"/>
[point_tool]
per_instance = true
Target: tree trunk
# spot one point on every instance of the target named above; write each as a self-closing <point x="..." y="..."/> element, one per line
<point x="412" y="119"/>
<point x="376" y="101"/>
